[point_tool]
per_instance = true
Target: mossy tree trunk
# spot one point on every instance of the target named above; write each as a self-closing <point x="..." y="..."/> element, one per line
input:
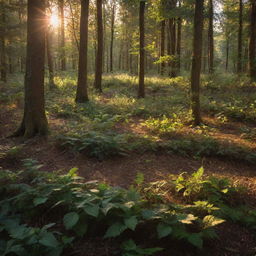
<point x="196" y="61"/>
<point x="81" y="93"/>
<point x="34" y="118"/>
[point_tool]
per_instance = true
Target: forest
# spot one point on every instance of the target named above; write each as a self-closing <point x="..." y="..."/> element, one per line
<point x="127" y="127"/>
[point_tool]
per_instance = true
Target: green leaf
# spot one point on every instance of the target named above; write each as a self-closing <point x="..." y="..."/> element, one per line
<point x="70" y="220"/>
<point x="115" y="230"/>
<point x="48" y="240"/>
<point x="186" y="218"/>
<point x="211" y="221"/>
<point x="196" y="240"/>
<point x="39" y="200"/>
<point x="92" y="210"/>
<point x="131" y="222"/>
<point x="163" y="230"/>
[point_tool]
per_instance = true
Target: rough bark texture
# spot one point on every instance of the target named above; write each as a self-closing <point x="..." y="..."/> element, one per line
<point x="112" y="35"/>
<point x="49" y="57"/>
<point x="62" y="36"/>
<point x="3" y="65"/>
<point x="81" y="93"/>
<point x="34" y="118"/>
<point x="210" y="39"/>
<point x="141" y="92"/>
<point x="240" y="36"/>
<point x="99" y="53"/>
<point x="252" y="42"/>
<point x="179" y="26"/>
<point x="196" y="61"/>
<point x="162" y="46"/>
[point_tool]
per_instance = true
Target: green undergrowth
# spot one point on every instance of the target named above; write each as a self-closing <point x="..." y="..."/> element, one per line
<point x="45" y="213"/>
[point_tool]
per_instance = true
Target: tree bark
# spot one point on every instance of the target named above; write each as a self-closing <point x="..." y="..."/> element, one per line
<point x="34" y="118"/>
<point x="196" y="62"/>
<point x="99" y="53"/>
<point x="240" y="38"/>
<point x="3" y="64"/>
<point x="162" y="46"/>
<point x="112" y="35"/>
<point x="49" y="57"/>
<point x="141" y="92"/>
<point x="81" y="93"/>
<point x="210" y="39"/>
<point x="252" y="42"/>
<point x="172" y="25"/>
<point x="227" y="53"/>
<point x="62" y="36"/>
<point x="179" y="24"/>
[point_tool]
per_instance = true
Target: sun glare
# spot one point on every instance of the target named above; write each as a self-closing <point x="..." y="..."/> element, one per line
<point x="54" y="20"/>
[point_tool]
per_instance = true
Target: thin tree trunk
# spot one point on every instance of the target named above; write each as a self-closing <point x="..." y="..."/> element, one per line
<point x="62" y="36"/>
<point x="240" y="38"/>
<point x="252" y="42"/>
<point x="112" y="35"/>
<point x="34" y="118"/>
<point x="196" y="61"/>
<point x="173" y="47"/>
<point x="99" y="54"/>
<point x="210" y="39"/>
<point x="227" y="53"/>
<point x="3" y="44"/>
<point x="81" y="93"/>
<point x="49" y="58"/>
<point x="141" y="92"/>
<point x="179" y="24"/>
<point x="162" y="47"/>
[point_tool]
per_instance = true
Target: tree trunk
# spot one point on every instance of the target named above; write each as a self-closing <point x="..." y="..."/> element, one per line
<point x="112" y="35"/>
<point x="3" y="44"/>
<point x="49" y="57"/>
<point x="227" y="53"/>
<point x="173" y="46"/>
<point x="81" y="93"/>
<point x="34" y="118"/>
<point x="99" y="54"/>
<point x="240" y="38"/>
<point x="179" y="23"/>
<point x="62" y="36"/>
<point x="252" y="42"/>
<point x="196" y="62"/>
<point x="210" y="39"/>
<point x="141" y="92"/>
<point x="162" y="47"/>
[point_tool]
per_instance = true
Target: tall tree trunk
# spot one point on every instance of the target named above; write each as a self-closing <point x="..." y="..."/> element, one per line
<point x="240" y="38"/>
<point x="34" y="118"/>
<point x="179" y="24"/>
<point x="252" y="42"/>
<point x="173" y="46"/>
<point x="196" y="61"/>
<point x="62" y="35"/>
<point x="162" y="47"/>
<point x="81" y="93"/>
<point x="227" y="53"/>
<point x="112" y="34"/>
<point x="49" y="57"/>
<point x="3" y="43"/>
<point x="99" y="54"/>
<point x="210" y="39"/>
<point x="141" y="92"/>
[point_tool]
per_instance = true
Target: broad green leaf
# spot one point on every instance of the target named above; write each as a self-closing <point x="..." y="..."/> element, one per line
<point x="131" y="222"/>
<point x="196" y="240"/>
<point x="163" y="230"/>
<point x="186" y="218"/>
<point x="115" y="230"/>
<point x="49" y="240"/>
<point x="92" y="210"/>
<point x="39" y="200"/>
<point x="70" y="220"/>
<point x="211" y="221"/>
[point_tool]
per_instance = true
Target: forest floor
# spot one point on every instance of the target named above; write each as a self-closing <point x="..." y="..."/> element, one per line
<point x="115" y="135"/>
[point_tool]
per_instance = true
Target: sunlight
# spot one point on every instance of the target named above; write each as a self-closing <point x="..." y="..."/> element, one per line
<point x="54" y="20"/>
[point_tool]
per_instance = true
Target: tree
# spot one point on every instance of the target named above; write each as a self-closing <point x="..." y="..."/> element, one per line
<point x="141" y="92"/>
<point x="34" y="119"/>
<point x="240" y="37"/>
<point x="62" y="35"/>
<point x="179" y="27"/>
<point x="3" y="65"/>
<point x="112" y="33"/>
<point x="210" y="39"/>
<point x="252" y="42"/>
<point x="196" y="61"/>
<point x="99" y="53"/>
<point x="81" y="93"/>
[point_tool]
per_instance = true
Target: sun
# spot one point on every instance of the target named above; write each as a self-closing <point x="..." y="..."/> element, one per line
<point x="54" y="20"/>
